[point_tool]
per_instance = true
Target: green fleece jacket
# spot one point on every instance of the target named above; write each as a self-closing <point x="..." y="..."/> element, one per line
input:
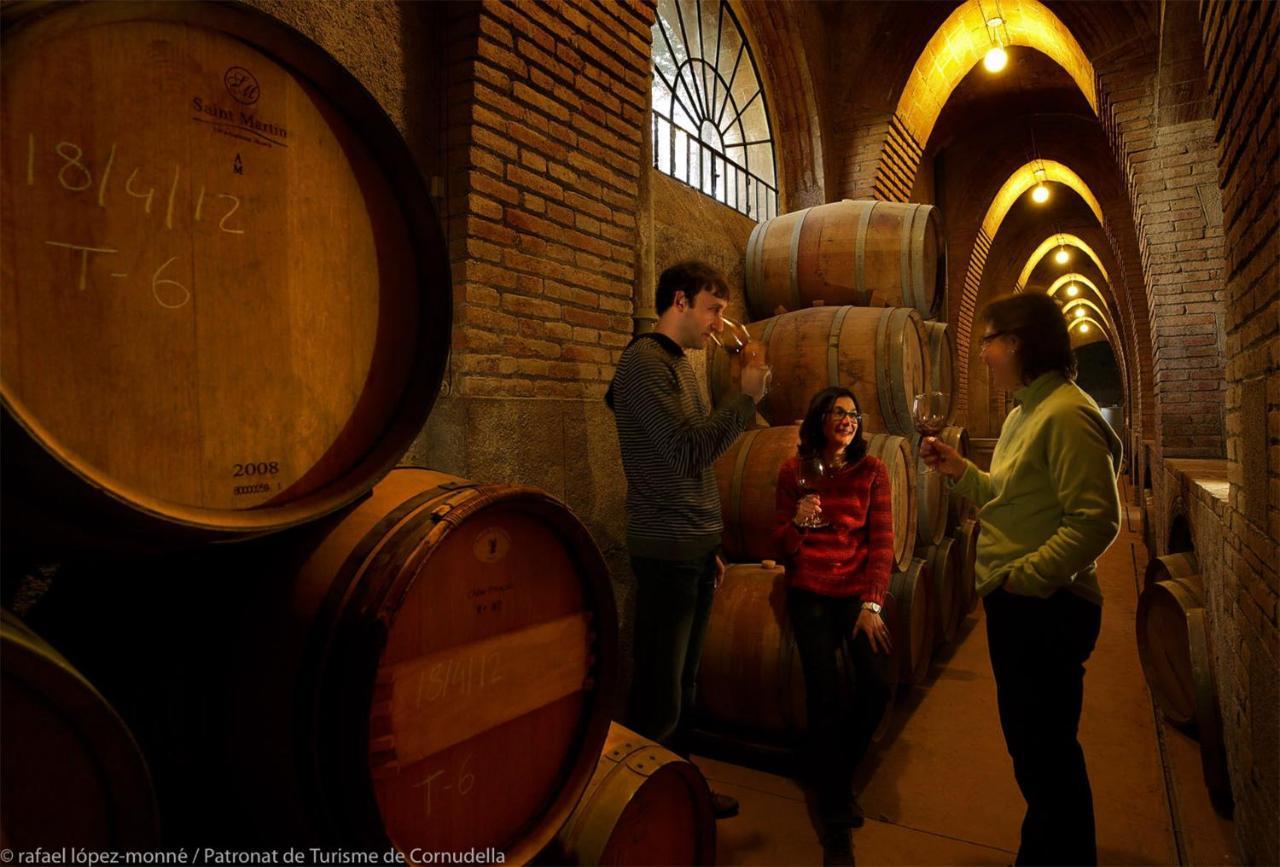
<point x="1049" y="507"/>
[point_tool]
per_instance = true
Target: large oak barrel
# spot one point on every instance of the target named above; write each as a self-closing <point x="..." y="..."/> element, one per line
<point x="750" y="677"/>
<point x="747" y="477"/>
<point x="73" y="774"/>
<point x="879" y="354"/>
<point x="959" y="509"/>
<point x="432" y="669"/>
<point x="942" y="370"/>
<point x="644" y="806"/>
<point x="945" y="575"/>
<point x="225" y="310"/>
<point x="912" y="626"/>
<point x="932" y="500"/>
<point x="849" y="252"/>
<point x="966" y="537"/>
<point x="751" y="681"/>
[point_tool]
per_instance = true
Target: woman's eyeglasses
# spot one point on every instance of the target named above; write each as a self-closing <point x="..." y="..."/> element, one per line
<point x="840" y="414"/>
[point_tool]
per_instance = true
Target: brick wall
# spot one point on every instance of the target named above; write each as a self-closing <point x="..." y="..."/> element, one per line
<point x="1240" y="51"/>
<point x="544" y="160"/>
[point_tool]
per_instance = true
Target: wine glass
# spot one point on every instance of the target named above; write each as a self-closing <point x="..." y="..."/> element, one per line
<point x="736" y="336"/>
<point x="809" y="474"/>
<point x="929" y="412"/>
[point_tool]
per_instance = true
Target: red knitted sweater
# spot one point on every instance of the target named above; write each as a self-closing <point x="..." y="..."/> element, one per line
<point x="854" y="555"/>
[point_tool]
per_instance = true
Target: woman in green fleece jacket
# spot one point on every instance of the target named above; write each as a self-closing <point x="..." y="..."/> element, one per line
<point x="1048" y="509"/>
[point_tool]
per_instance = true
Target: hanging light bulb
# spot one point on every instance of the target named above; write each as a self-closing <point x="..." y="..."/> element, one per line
<point x="1062" y="257"/>
<point x="1072" y="290"/>
<point x="1079" y="312"/>
<point x="1084" y="327"/>
<point x="1040" y="194"/>
<point x="996" y="59"/>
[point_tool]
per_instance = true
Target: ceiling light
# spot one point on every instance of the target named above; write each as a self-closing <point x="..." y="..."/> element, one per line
<point x="1062" y="257"/>
<point x="996" y="59"/>
<point x="1084" y="327"/>
<point x="1072" y="290"/>
<point x="995" y="21"/>
<point x="1040" y="194"/>
<point x="1079" y="312"/>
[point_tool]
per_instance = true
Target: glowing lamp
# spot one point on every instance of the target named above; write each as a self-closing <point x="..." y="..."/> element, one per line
<point x="1040" y="194"/>
<point x="1084" y="327"/>
<point x="1079" y="312"/>
<point x="996" y="59"/>
<point x="1062" y="257"/>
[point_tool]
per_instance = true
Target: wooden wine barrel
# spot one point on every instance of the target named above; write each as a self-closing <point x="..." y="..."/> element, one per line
<point x="945" y="575"/>
<point x="751" y="681"/>
<point x="1164" y="645"/>
<point x="244" y="273"/>
<point x="865" y="253"/>
<point x="644" y="806"/>
<point x="967" y="556"/>
<point x="959" y="509"/>
<point x="942" y="373"/>
<point x="912" y="626"/>
<point x="1171" y="567"/>
<point x="877" y="354"/>
<point x="932" y="500"/>
<point x="750" y="676"/>
<point x="433" y="669"/>
<point x="73" y="774"/>
<point x="1208" y="714"/>
<point x="747" y="477"/>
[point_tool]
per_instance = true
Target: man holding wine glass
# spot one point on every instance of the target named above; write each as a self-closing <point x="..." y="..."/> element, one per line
<point x="1048" y="509"/>
<point x="669" y="442"/>
<point x="834" y="524"/>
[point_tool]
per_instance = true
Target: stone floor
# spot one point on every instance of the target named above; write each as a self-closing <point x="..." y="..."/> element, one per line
<point x="940" y="788"/>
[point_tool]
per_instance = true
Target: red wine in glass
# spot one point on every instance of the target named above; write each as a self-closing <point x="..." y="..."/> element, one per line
<point x="809" y="474"/>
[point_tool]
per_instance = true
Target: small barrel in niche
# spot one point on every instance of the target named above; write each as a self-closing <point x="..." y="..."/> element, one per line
<point x="878" y="354"/>
<point x="867" y="253"/>
<point x="250" y="290"/>
<point x="644" y="806"/>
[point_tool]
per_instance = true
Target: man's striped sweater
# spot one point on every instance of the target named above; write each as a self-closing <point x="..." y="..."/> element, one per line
<point x="669" y="442"/>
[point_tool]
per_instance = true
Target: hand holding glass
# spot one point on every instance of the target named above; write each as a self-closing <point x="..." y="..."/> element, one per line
<point x="809" y="474"/>
<point x="929" y="412"/>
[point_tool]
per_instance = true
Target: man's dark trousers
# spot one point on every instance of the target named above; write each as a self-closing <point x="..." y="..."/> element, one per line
<point x="1038" y="649"/>
<point x="673" y="604"/>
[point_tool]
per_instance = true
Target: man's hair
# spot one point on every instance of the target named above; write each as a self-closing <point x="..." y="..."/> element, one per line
<point x="813" y="436"/>
<point x="689" y="277"/>
<point x="1037" y="321"/>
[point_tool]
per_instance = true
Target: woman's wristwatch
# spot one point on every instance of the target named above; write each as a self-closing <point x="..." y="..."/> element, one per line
<point x="873" y="607"/>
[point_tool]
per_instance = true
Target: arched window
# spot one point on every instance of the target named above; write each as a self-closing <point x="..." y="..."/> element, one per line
<point x="710" y="120"/>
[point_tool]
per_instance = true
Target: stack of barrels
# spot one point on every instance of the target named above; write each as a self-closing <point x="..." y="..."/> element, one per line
<point x="226" y="325"/>
<point x="840" y="294"/>
<point x="1174" y="647"/>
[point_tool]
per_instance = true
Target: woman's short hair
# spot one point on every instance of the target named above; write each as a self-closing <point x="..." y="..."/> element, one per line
<point x="1037" y="321"/>
<point x="813" y="438"/>
<point x="689" y="277"/>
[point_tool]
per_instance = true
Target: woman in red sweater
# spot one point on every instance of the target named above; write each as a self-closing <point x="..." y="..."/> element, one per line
<point x="838" y="576"/>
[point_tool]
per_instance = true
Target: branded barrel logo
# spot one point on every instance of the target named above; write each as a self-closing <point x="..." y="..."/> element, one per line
<point x="241" y="84"/>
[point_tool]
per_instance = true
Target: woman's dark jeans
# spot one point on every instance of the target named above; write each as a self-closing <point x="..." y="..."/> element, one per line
<point x="1038" y="649"/>
<point x="673" y="604"/>
<point x="845" y="694"/>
